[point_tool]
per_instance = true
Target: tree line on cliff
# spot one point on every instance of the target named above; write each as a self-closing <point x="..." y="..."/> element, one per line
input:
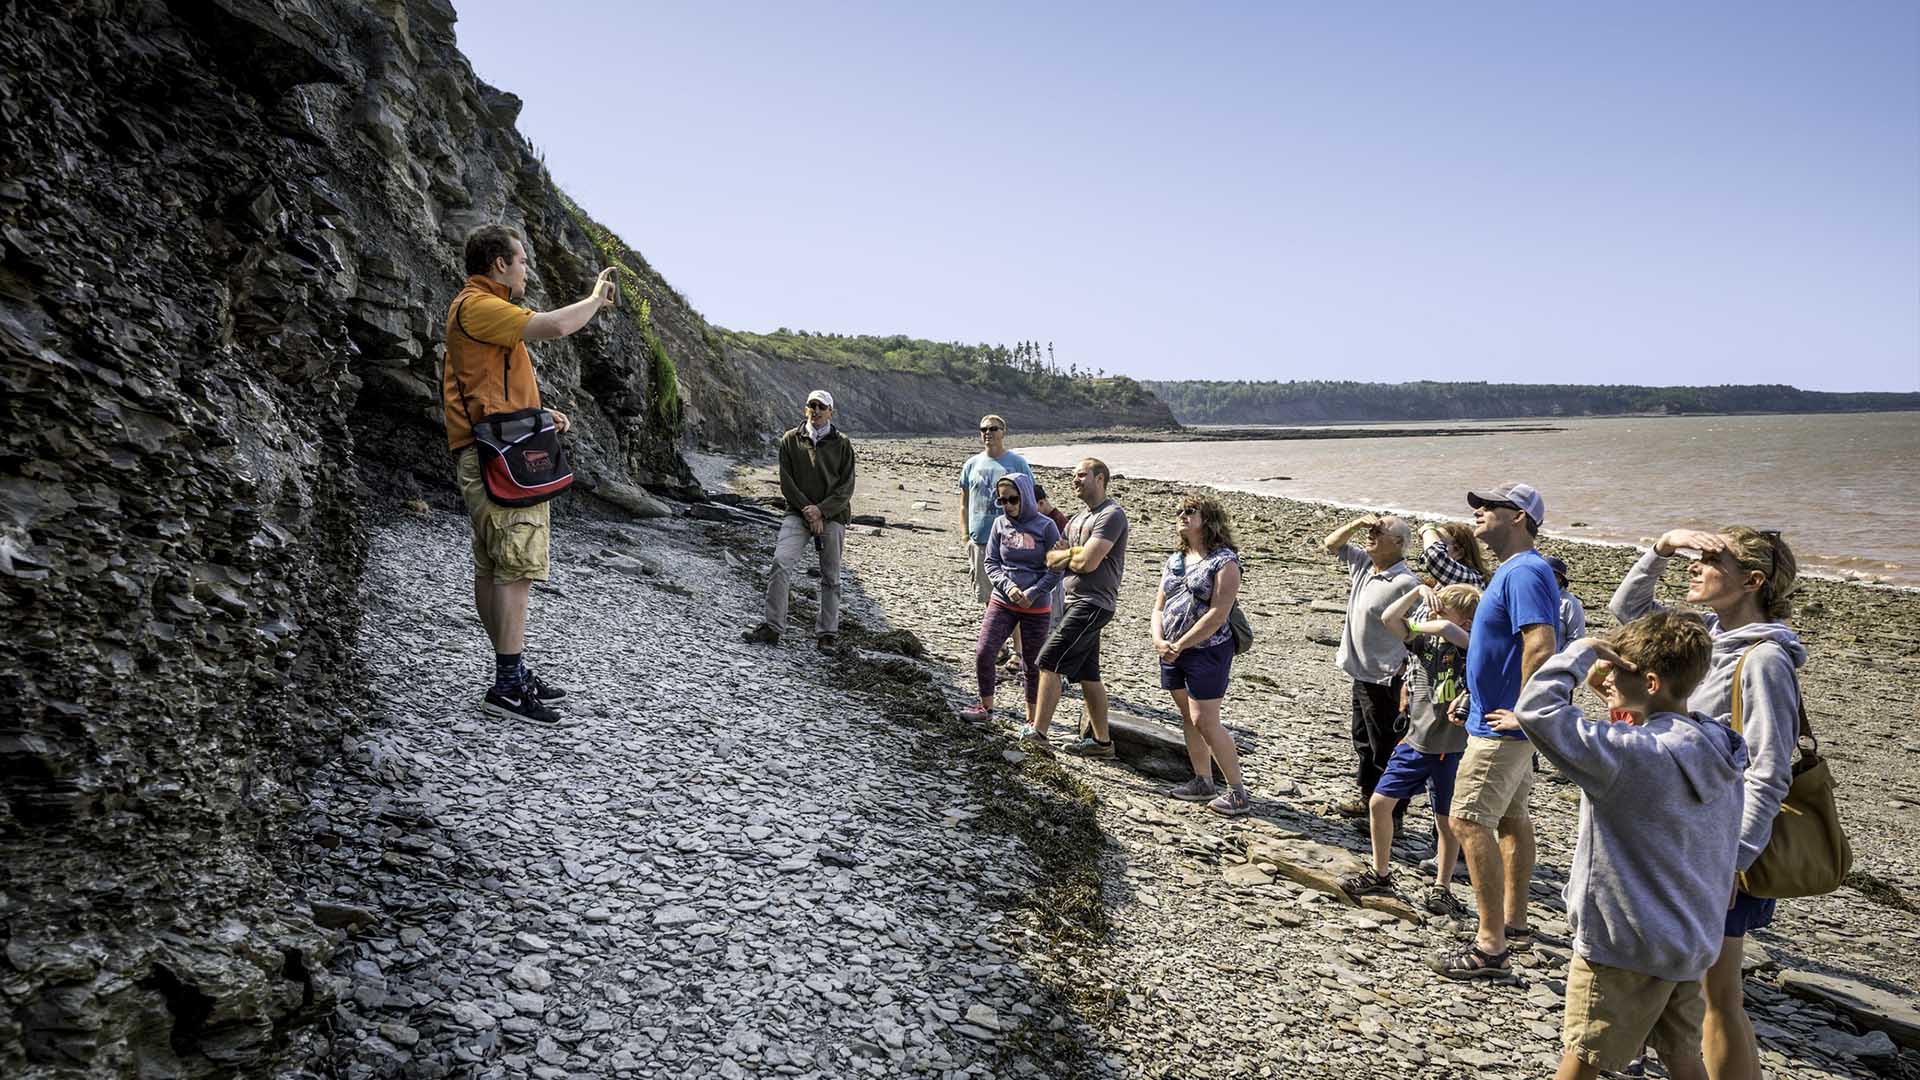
<point x="1025" y="369"/>
<point x="1198" y="401"/>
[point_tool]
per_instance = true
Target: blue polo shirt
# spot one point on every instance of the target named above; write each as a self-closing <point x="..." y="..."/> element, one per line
<point x="1523" y="593"/>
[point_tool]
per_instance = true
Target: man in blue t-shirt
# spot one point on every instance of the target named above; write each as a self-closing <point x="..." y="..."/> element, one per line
<point x="1515" y="630"/>
<point x="977" y="508"/>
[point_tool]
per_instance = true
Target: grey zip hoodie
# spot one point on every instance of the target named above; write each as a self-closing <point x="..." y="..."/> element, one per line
<point x="1770" y="693"/>
<point x="1659" y="825"/>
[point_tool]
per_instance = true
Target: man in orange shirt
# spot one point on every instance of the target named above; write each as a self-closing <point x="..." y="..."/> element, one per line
<point x="488" y="370"/>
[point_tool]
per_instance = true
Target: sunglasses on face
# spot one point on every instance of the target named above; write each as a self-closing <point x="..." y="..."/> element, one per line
<point x="1008" y="500"/>
<point x="812" y="405"/>
<point x="990" y="430"/>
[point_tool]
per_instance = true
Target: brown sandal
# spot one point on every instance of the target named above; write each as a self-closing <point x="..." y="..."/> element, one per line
<point x="1471" y="963"/>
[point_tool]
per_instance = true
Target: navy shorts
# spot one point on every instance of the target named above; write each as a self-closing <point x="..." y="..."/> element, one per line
<point x="1201" y="672"/>
<point x="1073" y="649"/>
<point x="1409" y="772"/>
<point x="1748" y="913"/>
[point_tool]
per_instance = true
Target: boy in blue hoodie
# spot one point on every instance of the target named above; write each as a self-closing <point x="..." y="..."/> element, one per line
<point x="1016" y="564"/>
<point x="1659" y="832"/>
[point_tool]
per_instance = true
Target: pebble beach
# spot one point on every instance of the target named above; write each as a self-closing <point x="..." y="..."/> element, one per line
<point x="741" y="860"/>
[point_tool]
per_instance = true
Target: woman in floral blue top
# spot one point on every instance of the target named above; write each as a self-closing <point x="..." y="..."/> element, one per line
<point x="1195" y="645"/>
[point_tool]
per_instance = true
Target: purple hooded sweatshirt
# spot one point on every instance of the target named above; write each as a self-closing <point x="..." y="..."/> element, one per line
<point x="1017" y="549"/>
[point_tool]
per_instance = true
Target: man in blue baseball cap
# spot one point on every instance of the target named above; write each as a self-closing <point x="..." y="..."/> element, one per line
<point x="1515" y="631"/>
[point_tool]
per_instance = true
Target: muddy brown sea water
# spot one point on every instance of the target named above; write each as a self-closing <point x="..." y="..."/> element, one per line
<point x="1214" y="979"/>
<point x="1844" y="486"/>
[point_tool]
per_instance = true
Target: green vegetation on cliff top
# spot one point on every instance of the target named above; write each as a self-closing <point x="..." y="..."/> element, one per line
<point x="1027" y="368"/>
<point x="1313" y="401"/>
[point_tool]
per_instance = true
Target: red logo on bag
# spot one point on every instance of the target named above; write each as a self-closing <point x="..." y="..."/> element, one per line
<point x="537" y="460"/>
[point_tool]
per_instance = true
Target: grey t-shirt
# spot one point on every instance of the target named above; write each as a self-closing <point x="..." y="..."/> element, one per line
<point x="1101" y="585"/>
<point x="1368" y="650"/>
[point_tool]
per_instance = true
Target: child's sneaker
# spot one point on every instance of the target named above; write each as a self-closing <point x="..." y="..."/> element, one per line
<point x="1232" y="802"/>
<point x="1368" y="883"/>
<point x="1198" y="789"/>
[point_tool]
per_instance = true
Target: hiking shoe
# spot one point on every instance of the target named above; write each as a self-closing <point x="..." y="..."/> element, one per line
<point x="519" y="704"/>
<point x="1231" y="803"/>
<point x="1368" y="883"/>
<point x="826" y="642"/>
<point x="1471" y="963"/>
<point x="1198" y="789"/>
<point x="1352" y="808"/>
<point x="1429" y="866"/>
<point x="1089" y="747"/>
<point x="543" y="693"/>
<point x="1441" y="901"/>
<point x="761" y="635"/>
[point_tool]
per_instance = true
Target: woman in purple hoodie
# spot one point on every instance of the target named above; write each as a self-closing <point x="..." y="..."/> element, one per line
<point x="1745" y="578"/>
<point x="1016" y="563"/>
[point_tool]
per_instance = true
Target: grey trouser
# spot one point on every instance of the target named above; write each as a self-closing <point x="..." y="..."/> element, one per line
<point x="795" y="539"/>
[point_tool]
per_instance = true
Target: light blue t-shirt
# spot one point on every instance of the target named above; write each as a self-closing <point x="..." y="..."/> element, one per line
<point x="1522" y="593"/>
<point x="977" y="478"/>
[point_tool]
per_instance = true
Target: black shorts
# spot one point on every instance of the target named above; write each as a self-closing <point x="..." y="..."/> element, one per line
<point x="1073" y="649"/>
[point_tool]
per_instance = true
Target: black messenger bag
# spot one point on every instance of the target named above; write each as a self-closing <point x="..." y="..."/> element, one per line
<point x="522" y="461"/>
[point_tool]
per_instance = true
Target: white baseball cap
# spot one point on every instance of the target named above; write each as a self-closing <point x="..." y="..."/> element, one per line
<point x="1520" y="495"/>
<point x="822" y="397"/>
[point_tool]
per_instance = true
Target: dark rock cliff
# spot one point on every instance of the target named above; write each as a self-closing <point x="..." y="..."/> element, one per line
<point x="229" y="230"/>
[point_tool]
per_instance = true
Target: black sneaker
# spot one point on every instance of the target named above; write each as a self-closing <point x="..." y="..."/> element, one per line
<point x="826" y="642"/>
<point x="546" y="695"/>
<point x="519" y="704"/>
<point x="761" y="635"/>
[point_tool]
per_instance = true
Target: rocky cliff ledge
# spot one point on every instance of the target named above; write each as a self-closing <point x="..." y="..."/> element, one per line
<point x="228" y="233"/>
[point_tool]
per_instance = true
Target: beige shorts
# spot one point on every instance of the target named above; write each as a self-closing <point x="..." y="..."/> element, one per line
<point x="977" y="569"/>
<point x="1495" y="778"/>
<point x="1612" y="1012"/>
<point x="509" y="542"/>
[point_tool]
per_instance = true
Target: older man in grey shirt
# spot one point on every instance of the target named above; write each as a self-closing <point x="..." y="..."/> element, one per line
<point x="1370" y="652"/>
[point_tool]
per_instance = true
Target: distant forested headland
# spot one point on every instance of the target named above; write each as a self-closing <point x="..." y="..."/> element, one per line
<point x="1320" y="401"/>
<point x="1025" y="369"/>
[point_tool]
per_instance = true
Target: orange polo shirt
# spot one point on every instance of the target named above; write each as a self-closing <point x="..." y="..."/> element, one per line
<point x="488" y="369"/>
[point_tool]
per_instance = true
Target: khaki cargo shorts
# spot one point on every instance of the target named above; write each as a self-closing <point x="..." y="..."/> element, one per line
<point x="1611" y="1012"/>
<point x="1495" y="778"/>
<point x="509" y="542"/>
<point x="977" y="571"/>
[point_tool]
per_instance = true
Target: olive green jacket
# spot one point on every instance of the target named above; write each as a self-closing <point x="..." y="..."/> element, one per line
<point x="818" y="475"/>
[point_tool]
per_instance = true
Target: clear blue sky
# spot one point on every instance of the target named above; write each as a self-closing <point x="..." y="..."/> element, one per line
<point x="1658" y="193"/>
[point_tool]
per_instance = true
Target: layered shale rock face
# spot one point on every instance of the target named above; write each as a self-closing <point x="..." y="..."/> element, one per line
<point x="229" y="230"/>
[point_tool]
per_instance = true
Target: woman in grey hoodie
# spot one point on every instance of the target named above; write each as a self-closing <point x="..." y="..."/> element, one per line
<point x="1745" y="578"/>
<point x="1016" y="563"/>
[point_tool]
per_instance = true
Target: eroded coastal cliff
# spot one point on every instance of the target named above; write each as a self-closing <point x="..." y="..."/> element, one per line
<point x="228" y="233"/>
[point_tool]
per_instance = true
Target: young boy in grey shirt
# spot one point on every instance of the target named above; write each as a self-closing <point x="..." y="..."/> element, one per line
<point x="1659" y="830"/>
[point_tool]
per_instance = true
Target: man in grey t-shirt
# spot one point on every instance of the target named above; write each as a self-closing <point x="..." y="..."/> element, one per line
<point x="1092" y="554"/>
<point x="1370" y="652"/>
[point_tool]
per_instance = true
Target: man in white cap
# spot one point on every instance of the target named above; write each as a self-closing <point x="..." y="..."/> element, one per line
<point x="1515" y="630"/>
<point x="816" y="479"/>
